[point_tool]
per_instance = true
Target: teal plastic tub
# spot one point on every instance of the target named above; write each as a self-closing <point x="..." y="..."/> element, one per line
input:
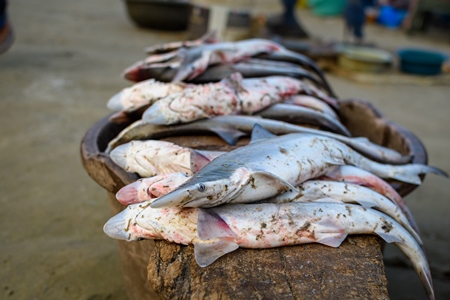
<point x="421" y="61"/>
<point x="327" y="7"/>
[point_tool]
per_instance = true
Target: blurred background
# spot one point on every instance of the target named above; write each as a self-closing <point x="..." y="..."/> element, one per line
<point x="63" y="60"/>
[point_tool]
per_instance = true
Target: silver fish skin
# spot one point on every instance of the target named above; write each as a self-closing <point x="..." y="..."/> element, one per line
<point x="232" y="95"/>
<point x="355" y="175"/>
<point x="271" y="166"/>
<point x="275" y="225"/>
<point x="313" y="103"/>
<point x="150" y="188"/>
<point x="334" y="191"/>
<point x="298" y="114"/>
<point x="231" y="127"/>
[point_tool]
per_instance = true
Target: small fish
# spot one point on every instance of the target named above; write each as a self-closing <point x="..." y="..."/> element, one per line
<point x="298" y="114"/>
<point x="232" y="95"/>
<point x="150" y="188"/>
<point x="230" y="128"/>
<point x="155" y="157"/>
<point x="271" y="165"/>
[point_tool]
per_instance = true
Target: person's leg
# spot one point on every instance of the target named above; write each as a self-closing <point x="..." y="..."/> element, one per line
<point x="287" y="24"/>
<point x="6" y="33"/>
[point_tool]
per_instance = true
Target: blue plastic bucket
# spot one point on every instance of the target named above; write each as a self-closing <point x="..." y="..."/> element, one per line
<point x="420" y="61"/>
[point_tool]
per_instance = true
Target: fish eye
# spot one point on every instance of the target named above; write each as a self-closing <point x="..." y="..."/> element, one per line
<point x="201" y="187"/>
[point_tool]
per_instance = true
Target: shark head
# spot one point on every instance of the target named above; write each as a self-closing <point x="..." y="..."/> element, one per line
<point x="123" y="226"/>
<point x="206" y="191"/>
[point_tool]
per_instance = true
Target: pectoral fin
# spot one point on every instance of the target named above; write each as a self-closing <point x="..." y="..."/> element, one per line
<point x="211" y="226"/>
<point x="206" y="252"/>
<point x="329" y="231"/>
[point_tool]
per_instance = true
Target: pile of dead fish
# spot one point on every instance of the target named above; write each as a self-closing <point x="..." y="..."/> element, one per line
<point x="290" y="185"/>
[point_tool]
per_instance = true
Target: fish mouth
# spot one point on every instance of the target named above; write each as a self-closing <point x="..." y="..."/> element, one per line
<point x="128" y="194"/>
<point x="117" y="226"/>
<point x="115" y="103"/>
<point x="176" y="198"/>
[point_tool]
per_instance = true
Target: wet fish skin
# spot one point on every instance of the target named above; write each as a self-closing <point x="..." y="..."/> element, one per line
<point x="313" y="103"/>
<point x="298" y="114"/>
<point x="231" y="127"/>
<point x="271" y="225"/>
<point x="274" y="165"/>
<point x="338" y="191"/>
<point x="355" y="175"/>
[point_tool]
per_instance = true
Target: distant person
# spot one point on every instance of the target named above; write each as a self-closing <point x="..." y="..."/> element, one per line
<point x="6" y="32"/>
<point x="355" y="17"/>
<point x="287" y="24"/>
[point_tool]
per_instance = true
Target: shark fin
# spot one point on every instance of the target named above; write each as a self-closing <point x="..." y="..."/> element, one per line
<point x="267" y="184"/>
<point x="206" y="252"/>
<point x="198" y="161"/>
<point x="260" y="133"/>
<point x="229" y="135"/>
<point x="200" y="158"/>
<point x="211" y="226"/>
<point x="330" y="232"/>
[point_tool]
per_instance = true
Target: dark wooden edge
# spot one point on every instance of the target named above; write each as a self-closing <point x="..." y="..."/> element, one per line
<point x="99" y="165"/>
<point x="411" y="142"/>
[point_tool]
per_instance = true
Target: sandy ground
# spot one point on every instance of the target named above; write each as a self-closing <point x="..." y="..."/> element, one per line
<point x="54" y="84"/>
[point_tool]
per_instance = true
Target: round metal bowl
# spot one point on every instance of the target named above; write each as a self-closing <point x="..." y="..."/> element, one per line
<point x="159" y="14"/>
<point x="365" y="59"/>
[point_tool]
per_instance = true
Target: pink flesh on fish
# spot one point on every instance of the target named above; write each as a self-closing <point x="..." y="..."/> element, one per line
<point x="143" y="93"/>
<point x="150" y="188"/>
<point x="232" y="95"/>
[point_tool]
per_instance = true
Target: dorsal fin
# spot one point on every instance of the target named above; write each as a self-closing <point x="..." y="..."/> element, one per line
<point x="229" y="135"/>
<point x="260" y="133"/>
